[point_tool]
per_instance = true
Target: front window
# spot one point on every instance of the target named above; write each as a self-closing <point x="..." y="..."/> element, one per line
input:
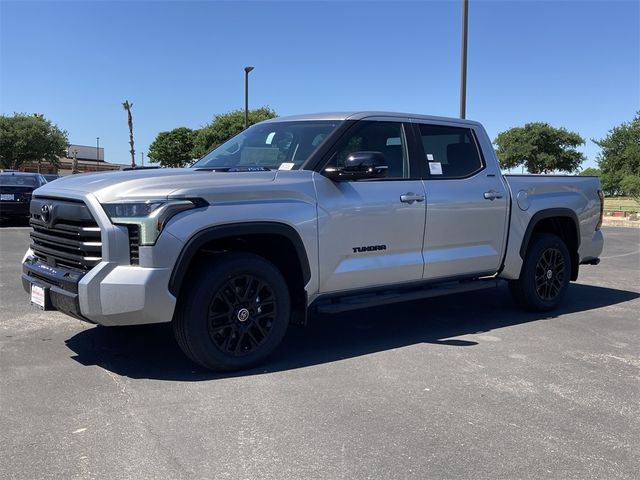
<point x="384" y="137"/>
<point x="273" y="145"/>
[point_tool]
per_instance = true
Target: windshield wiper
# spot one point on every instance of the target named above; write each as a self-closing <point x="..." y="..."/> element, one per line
<point x="233" y="169"/>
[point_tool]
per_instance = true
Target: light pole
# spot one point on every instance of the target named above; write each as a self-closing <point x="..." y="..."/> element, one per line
<point x="463" y="60"/>
<point x="246" y="96"/>
<point x="97" y="152"/>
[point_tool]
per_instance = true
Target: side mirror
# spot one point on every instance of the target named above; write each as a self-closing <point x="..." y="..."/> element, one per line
<point x="360" y="166"/>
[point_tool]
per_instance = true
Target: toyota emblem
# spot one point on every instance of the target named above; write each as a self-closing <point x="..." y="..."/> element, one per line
<point x="45" y="212"/>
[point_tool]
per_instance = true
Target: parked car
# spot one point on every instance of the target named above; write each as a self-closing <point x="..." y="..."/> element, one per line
<point x="16" y="189"/>
<point x="317" y="212"/>
<point x="50" y="177"/>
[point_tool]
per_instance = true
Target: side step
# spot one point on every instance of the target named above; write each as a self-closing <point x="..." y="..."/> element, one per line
<point x="592" y="261"/>
<point x="386" y="296"/>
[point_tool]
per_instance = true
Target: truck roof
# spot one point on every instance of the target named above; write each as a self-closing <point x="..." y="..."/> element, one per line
<point x="359" y="115"/>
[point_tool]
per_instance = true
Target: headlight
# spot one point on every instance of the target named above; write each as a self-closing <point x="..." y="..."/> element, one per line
<point x="150" y="216"/>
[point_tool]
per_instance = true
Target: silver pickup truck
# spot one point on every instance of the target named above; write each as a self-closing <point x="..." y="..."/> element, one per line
<point x="325" y="212"/>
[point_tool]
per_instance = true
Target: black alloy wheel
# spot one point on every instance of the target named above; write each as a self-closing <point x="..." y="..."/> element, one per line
<point x="233" y="312"/>
<point x="242" y="315"/>
<point x="550" y="273"/>
<point x="544" y="278"/>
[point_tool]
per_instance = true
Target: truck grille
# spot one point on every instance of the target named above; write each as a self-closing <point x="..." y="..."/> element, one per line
<point x="64" y="234"/>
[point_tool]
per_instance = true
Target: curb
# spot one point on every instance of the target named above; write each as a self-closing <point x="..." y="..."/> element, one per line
<point x="610" y="222"/>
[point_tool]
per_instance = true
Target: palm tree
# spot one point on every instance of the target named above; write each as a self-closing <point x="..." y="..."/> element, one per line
<point x="127" y="106"/>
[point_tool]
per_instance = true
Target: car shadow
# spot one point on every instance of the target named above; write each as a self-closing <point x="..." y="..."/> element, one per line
<point x="14" y="222"/>
<point x="150" y="351"/>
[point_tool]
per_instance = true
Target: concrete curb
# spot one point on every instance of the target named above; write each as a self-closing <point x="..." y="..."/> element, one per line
<point x="620" y="222"/>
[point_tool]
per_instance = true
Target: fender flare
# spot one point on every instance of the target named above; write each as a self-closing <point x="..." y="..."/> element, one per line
<point x="543" y="214"/>
<point x="202" y="237"/>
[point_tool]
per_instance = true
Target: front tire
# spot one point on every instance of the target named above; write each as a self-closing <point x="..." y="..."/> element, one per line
<point x="233" y="313"/>
<point x="544" y="278"/>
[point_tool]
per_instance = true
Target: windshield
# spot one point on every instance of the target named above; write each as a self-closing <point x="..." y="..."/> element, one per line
<point x="19" y="180"/>
<point x="274" y="145"/>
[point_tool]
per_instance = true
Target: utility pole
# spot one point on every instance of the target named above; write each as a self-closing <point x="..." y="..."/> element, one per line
<point x="463" y="60"/>
<point x="246" y="96"/>
<point x="142" y="158"/>
<point x="97" y="153"/>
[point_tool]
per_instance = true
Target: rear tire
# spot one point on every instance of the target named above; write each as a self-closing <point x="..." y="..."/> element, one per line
<point x="545" y="274"/>
<point x="233" y="312"/>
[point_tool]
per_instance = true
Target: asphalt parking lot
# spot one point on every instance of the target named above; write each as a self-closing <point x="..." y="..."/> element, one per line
<point x="465" y="386"/>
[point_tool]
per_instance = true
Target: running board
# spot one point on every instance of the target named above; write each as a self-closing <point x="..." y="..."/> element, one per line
<point x="591" y="261"/>
<point x="386" y="296"/>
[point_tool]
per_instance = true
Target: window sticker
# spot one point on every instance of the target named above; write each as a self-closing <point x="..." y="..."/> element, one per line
<point x="286" y="166"/>
<point x="430" y="157"/>
<point x="435" y="168"/>
<point x="260" y="156"/>
<point x="270" y="138"/>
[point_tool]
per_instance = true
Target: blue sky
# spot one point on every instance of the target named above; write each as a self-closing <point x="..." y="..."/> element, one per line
<point x="574" y="64"/>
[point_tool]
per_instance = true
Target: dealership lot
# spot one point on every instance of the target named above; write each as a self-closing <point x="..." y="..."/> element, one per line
<point x="465" y="386"/>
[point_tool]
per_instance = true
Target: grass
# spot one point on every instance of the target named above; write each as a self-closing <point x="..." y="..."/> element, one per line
<point x="623" y="204"/>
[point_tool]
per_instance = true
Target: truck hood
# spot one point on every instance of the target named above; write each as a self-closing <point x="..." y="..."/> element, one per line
<point x="157" y="183"/>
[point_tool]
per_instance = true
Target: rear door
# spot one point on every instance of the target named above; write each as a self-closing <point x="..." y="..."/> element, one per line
<point x="466" y="203"/>
<point x="371" y="231"/>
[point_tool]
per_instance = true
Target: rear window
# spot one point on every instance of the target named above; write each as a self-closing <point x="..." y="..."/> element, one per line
<point x="450" y="152"/>
<point x="19" y="180"/>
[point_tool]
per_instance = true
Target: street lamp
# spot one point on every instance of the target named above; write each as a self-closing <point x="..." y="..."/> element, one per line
<point x="97" y="152"/>
<point x="246" y="96"/>
<point x="463" y="60"/>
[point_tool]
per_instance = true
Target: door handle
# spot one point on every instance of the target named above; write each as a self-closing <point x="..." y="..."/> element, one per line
<point x="411" y="197"/>
<point x="492" y="195"/>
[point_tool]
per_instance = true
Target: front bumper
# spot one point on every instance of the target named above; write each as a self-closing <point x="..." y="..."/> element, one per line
<point x="108" y="294"/>
<point x="61" y="284"/>
<point x="112" y="292"/>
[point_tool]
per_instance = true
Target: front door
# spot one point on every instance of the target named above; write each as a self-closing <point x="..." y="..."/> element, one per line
<point x="370" y="232"/>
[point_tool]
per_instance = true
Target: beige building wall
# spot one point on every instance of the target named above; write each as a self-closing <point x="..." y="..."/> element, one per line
<point x="90" y="159"/>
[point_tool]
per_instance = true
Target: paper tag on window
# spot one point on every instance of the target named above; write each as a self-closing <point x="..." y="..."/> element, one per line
<point x="270" y="138"/>
<point x="430" y="157"/>
<point x="435" y="168"/>
<point x="286" y="166"/>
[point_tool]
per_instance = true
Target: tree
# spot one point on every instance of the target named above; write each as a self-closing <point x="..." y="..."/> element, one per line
<point x="620" y="157"/>
<point x="630" y="185"/>
<point x="173" y="148"/>
<point x="225" y="126"/>
<point x="591" y="172"/>
<point x="25" y="138"/>
<point x="127" y="106"/>
<point x="540" y="147"/>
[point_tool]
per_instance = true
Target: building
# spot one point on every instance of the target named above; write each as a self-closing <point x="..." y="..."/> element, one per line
<point x="86" y="159"/>
<point x="89" y="159"/>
